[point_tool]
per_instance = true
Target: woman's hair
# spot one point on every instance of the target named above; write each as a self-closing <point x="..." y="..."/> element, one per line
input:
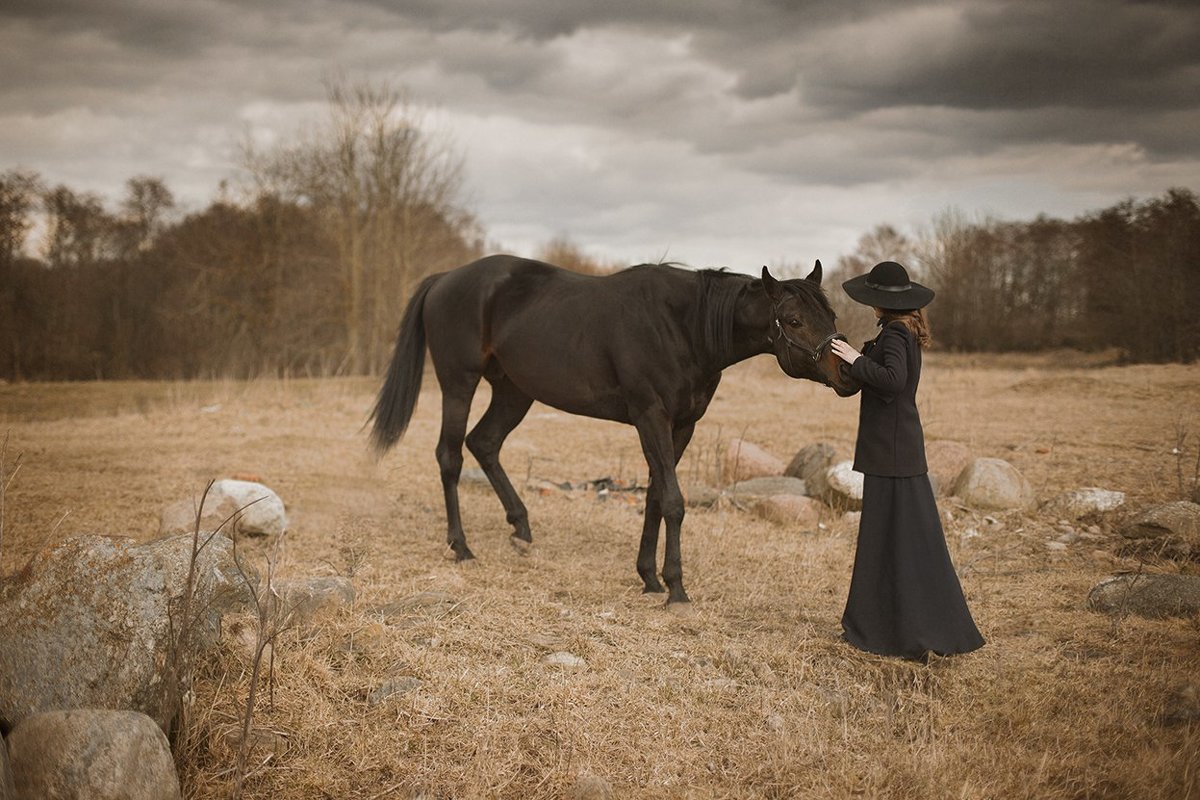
<point x="913" y="320"/>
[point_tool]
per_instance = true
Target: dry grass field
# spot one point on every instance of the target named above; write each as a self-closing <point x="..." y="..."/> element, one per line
<point x="753" y="696"/>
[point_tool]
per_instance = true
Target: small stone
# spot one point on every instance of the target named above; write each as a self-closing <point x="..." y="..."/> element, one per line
<point x="775" y="723"/>
<point x="1056" y="546"/>
<point x="810" y="464"/>
<point x="1172" y="528"/>
<point x="565" y="661"/>
<point x="589" y="786"/>
<point x="845" y="486"/>
<point x="1183" y="705"/>
<point x="303" y="600"/>
<point x="428" y="604"/>
<point x="1080" y="502"/>
<point x="765" y="674"/>
<point x="1147" y="595"/>
<point x="699" y="495"/>
<point x="792" y="510"/>
<point x="993" y="483"/>
<point x="767" y="486"/>
<point x="234" y="507"/>
<point x="402" y="684"/>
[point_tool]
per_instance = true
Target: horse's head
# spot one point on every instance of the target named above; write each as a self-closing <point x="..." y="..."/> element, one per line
<point x="801" y="326"/>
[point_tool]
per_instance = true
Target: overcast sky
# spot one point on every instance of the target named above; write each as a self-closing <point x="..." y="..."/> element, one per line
<point x="715" y="132"/>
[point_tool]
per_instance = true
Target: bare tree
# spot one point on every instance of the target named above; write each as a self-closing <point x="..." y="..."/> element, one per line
<point x="387" y="191"/>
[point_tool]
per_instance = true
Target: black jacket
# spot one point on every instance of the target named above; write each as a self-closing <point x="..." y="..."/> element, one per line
<point x="890" y="440"/>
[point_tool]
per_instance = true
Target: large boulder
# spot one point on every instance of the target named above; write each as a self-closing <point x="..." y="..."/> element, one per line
<point x="234" y="507"/>
<point x="1147" y="595"/>
<point x="994" y="484"/>
<point x="97" y="755"/>
<point x="810" y="464"/>
<point x="1081" y="502"/>
<point x="744" y="460"/>
<point x="97" y="622"/>
<point x="1172" y="529"/>
<point x="946" y="460"/>
<point x="845" y="486"/>
<point x="7" y="790"/>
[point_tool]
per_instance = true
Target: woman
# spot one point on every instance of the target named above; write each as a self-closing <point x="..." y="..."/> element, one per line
<point x="905" y="599"/>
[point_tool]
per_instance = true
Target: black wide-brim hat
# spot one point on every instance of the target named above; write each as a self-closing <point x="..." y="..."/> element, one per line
<point x="887" y="286"/>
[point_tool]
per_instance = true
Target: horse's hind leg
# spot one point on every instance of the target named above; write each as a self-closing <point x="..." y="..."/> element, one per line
<point x="508" y="407"/>
<point x="456" y="406"/>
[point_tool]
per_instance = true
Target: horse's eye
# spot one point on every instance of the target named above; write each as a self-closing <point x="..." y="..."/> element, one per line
<point x="795" y="323"/>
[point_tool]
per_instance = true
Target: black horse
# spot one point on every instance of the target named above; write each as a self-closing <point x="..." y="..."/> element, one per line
<point x="644" y="346"/>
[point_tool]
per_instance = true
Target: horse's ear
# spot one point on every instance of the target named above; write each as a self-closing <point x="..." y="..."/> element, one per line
<point x="815" y="275"/>
<point x="770" y="284"/>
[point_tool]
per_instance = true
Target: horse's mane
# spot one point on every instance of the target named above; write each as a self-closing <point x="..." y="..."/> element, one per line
<point x="717" y="293"/>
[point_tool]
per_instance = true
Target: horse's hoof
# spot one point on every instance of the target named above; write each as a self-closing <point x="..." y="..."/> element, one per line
<point x="450" y="554"/>
<point x="522" y="547"/>
<point x="682" y="609"/>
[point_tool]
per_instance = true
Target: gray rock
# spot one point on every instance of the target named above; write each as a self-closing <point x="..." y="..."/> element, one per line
<point x="767" y="487"/>
<point x="810" y="464"/>
<point x="423" y="604"/>
<point x="845" y="486"/>
<point x="946" y="460"/>
<point x="97" y="755"/>
<point x="699" y="495"/>
<point x="993" y="483"/>
<point x="7" y="790"/>
<point x="474" y="476"/>
<point x="234" y="507"/>
<point x="1182" y="706"/>
<point x="590" y="786"/>
<point x="1151" y="596"/>
<point x="1172" y="528"/>
<point x="794" y="511"/>
<point x="566" y="661"/>
<point x="1081" y="502"/>
<point x="306" y="599"/>
<point x="402" y="684"/>
<point x="88" y="624"/>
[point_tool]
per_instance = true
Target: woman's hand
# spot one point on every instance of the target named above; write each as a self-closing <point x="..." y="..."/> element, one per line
<point x="845" y="351"/>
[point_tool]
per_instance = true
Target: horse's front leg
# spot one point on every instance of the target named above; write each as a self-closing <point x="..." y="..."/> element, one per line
<point x="647" y="561"/>
<point x="662" y="448"/>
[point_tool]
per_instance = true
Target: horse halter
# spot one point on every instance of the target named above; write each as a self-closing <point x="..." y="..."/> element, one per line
<point x="814" y="353"/>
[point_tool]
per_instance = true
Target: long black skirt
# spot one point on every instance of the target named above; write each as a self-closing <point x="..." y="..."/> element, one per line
<point x="905" y="599"/>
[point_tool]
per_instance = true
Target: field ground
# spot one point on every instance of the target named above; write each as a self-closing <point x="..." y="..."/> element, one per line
<point x="752" y="696"/>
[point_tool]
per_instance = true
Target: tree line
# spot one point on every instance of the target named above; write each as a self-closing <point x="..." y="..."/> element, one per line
<point x="1125" y="277"/>
<point x="306" y="271"/>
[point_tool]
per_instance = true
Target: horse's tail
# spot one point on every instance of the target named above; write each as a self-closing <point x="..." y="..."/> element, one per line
<point x="402" y="384"/>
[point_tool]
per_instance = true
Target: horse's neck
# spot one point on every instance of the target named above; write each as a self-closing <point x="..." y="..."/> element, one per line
<point x="751" y="326"/>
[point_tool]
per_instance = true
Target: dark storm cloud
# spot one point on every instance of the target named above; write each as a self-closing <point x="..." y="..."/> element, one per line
<point x="759" y="95"/>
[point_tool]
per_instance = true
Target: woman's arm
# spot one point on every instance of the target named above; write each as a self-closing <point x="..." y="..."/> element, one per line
<point x="889" y="377"/>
